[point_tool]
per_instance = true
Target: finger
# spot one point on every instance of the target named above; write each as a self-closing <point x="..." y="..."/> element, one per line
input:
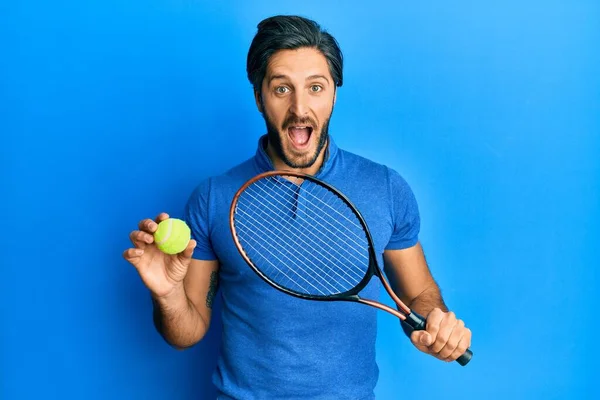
<point x="455" y="337"/>
<point x="140" y="239"/>
<point x="434" y="319"/>
<point x="133" y="255"/>
<point x="463" y="345"/>
<point x="148" y="225"/>
<point x="445" y="330"/>
<point x="161" y="217"/>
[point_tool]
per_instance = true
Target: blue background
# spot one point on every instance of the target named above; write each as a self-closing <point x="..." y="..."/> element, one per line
<point x="112" y="111"/>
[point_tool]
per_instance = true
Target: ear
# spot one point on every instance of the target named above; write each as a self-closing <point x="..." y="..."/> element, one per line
<point x="257" y="100"/>
<point x="334" y="95"/>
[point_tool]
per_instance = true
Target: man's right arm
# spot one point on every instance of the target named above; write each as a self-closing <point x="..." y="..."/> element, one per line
<point x="183" y="317"/>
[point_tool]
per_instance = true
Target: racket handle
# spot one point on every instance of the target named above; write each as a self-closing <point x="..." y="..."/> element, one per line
<point x="419" y="323"/>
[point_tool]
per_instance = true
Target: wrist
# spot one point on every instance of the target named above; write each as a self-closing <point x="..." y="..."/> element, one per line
<point x="173" y="299"/>
<point x="426" y="301"/>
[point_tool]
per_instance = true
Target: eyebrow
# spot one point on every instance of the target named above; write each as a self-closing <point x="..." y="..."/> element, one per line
<point x="281" y="76"/>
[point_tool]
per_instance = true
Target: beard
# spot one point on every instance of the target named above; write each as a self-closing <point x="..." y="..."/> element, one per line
<point x="275" y="137"/>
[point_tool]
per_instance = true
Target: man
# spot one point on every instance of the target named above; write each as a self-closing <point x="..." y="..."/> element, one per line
<point x="276" y="346"/>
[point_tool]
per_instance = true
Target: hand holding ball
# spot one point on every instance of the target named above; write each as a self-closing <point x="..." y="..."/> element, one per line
<point x="172" y="236"/>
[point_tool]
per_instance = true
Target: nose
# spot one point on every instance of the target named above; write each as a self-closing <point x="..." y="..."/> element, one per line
<point x="299" y="104"/>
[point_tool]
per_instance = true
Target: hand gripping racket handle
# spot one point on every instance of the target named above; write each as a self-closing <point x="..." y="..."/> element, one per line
<point x="418" y="323"/>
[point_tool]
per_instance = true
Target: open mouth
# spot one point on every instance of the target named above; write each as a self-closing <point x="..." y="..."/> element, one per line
<point x="300" y="135"/>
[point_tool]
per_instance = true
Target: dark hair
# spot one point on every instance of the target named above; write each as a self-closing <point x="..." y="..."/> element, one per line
<point x="290" y="32"/>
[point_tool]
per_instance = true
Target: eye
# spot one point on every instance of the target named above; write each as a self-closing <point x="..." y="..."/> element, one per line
<point x="281" y="90"/>
<point x="316" y="88"/>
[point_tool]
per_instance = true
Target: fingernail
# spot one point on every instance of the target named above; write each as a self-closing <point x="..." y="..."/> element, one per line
<point x="139" y="252"/>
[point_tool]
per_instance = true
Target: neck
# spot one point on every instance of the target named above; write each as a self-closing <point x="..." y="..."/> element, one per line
<point x="279" y="165"/>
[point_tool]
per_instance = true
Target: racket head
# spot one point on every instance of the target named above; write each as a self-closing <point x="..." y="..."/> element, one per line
<point x="302" y="236"/>
<point x="259" y="227"/>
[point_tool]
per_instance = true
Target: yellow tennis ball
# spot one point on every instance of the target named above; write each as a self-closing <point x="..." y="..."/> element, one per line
<point x="172" y="236"/>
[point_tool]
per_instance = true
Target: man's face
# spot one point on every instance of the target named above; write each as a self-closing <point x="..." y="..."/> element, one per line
<point x="298" y="94"/>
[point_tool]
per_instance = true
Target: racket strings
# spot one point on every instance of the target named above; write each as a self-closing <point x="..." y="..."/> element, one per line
<point x="310" y="243"/>
<point x="354" y="222"/>
<point x="302" y="237"/>
<point x="287" y="247"/>
<point x="300" y="272"/>
<point x="279" y="270"/>
<point x="354" y="254"/>
<point x="313" y="218"/>
<point x="356" y="226"/>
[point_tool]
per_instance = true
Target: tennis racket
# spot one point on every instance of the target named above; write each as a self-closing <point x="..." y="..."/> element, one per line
<point x="306" y="239"/>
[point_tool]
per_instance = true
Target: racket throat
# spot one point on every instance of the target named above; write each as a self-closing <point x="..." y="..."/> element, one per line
<point x="378" y="305"/>
<point x="416" y="321"/>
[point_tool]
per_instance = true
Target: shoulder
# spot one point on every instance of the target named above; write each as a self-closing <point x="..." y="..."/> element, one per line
<point x="225" y="183"/>
<point x="375" y="172"/>
<point x="211" y="197"/>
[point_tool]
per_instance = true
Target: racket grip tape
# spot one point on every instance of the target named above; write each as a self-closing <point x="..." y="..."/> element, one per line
<point x="418" y="323"/>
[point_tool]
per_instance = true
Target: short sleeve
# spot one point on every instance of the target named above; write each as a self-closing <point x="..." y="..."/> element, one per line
<point x="405" y="213"/>
<point x="196" y="215"/>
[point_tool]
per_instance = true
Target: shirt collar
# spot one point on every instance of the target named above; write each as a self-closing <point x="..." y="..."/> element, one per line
<point x="264" y="164"/>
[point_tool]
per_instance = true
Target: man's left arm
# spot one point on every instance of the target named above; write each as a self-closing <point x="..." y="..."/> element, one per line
<point x="446" y="336"/>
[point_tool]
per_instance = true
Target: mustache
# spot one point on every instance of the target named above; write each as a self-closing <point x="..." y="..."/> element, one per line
<point x="294" y="121"/>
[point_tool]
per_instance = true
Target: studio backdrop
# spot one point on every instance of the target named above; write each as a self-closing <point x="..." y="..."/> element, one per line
<point x="113" y="111"/>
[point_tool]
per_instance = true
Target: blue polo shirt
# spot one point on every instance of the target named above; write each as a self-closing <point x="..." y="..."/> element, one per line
<point x="275" y="346"/>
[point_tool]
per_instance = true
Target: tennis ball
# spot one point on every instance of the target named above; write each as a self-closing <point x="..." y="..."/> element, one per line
<point x="172" y="236"/>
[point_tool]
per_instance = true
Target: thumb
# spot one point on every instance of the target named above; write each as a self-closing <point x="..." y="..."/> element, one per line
<point x="189" y="250"/>
<point x="421" y="338"/>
